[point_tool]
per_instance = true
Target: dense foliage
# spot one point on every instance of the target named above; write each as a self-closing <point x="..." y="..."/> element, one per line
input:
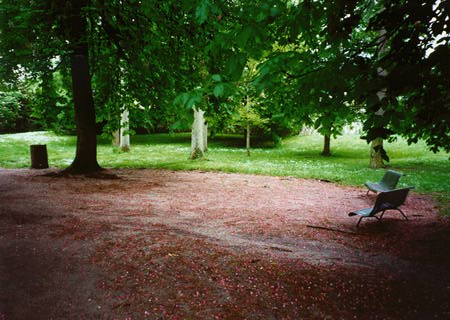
<point x="15" y="112"/>
<point x="317" y="63"/>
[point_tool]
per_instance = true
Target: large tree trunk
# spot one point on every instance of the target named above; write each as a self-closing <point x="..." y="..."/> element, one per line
<point x="124" y="128"/>
<point x="86" y="152"/>
<point x="376" y="160"/>
<point x="197" y="137"/>
<point x="326" y="145"/>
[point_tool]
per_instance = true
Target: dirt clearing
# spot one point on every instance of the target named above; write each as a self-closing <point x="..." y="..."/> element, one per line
<point x="157" y="244"/>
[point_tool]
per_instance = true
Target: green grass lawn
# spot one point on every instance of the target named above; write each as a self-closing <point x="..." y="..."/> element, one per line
<point x="297" y="156"/>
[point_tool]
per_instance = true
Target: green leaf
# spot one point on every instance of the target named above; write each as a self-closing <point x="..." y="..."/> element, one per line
<point x="274" y="11"/>
<point x="216" y="77"/>
<point x="181" y="99"/>
<point x="194" y="98"/>
<point x="244" y="35"/>
<point x="235" y="66"/>
<point x="278" y="116"/>
<point x="261" y="17"/>
<point x="219" y="90"/>
<point x="201" y="13"/>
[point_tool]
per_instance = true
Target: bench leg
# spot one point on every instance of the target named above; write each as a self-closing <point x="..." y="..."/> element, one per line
<point x="359" y="221"/>
<point x="403" y="214"/>
<point x="381" y="216"/>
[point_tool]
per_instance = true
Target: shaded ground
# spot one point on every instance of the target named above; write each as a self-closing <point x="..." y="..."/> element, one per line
<point x="158" y="244"/>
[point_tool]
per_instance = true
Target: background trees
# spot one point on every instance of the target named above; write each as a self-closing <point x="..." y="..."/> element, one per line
<point x="332" y="55"/>
<point x="317" y="63"/>
<point x="39" y="34"/>
<point x="415" y="73"/>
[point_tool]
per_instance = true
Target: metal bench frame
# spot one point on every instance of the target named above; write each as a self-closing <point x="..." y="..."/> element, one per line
<point x="387" y="183"/>
<point x="389" y="200"/>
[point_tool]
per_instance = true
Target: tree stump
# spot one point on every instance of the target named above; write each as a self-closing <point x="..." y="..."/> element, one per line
<point x="39" y="159"/>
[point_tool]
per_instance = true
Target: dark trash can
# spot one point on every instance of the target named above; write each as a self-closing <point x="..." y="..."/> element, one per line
<point x="39" y="158"/>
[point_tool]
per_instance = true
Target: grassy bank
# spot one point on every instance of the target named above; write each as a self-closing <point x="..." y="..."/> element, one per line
<point x="297" y="156"/>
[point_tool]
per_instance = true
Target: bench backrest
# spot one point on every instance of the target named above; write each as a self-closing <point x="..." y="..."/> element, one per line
<point x="390" y="200"/>
<point x="390" y="179"/>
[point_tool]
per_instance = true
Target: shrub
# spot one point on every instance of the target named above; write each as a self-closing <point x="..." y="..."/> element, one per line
<point x="15" y="113"/>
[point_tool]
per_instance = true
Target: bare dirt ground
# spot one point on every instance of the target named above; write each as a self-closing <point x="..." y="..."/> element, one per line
<point x="158" y="244"/>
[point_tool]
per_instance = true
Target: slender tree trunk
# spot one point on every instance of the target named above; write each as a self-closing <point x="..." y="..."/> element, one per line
<point x="247" y="139"/>
<point x="116" y="138"/>
<point x="205" y="136"/>
<point x="124" y="128"/>
<point x="86" y="152"/>
<point x="326" y="145"/>
<point x="197" y="139"/>
<point x="376" y="161"/>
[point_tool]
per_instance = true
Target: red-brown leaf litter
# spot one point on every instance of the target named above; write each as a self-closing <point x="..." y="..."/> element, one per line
<point x="159" y="244"/>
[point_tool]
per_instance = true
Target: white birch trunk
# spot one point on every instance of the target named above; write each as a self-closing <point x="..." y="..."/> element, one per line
<point x="197" y="139"/>
<point x="124" y="128"/>
<point x="376" y="160"/>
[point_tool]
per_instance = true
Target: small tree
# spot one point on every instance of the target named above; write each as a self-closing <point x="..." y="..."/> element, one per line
<point x="248" y="118"/>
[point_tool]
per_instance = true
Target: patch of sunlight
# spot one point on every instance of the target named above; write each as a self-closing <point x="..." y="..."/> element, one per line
<point x="228" y="150"/>
<point x="35" y="137"/>
<point x="66" y="161"/>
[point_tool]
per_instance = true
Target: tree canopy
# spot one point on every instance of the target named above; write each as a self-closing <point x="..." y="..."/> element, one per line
<point x="322" y="63"/>
<point x="351" y="51"/>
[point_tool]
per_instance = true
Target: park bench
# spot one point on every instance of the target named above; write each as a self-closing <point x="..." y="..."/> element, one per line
<point x="389" y="200"/>
<point x="387" y="183"/>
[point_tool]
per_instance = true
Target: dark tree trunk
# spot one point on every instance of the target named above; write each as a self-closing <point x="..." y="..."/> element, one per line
<point x="326" y="145"/>
<point x="86" y="153"/>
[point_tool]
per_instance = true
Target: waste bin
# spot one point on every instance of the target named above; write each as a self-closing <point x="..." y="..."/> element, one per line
<point x="39" y="158"/>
